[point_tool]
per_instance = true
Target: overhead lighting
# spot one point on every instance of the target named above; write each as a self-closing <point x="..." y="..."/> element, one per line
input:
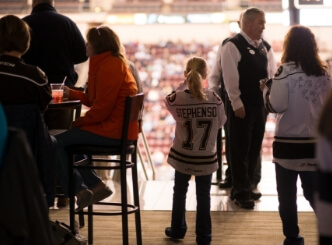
<point x="171" y="19"/>
<point x="285" y="4"/>
<point x="140" y="19"/>
<point x="97" y="9"/>
<point x="315" y="17"/>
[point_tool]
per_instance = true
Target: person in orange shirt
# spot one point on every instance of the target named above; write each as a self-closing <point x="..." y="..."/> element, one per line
<point x="110" y="81"/>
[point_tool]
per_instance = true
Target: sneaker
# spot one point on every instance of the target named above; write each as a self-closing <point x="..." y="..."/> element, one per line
<point x="203" y="243"/>
<point x="203" y="240"/>
<point x="84" y="199"/>
<point x="101" y="194"/>
<point x="245" y="203"/>
<point x="81" y="239"/>
<point x="168" y="232"/>
<point x="294" y="240"/>
<point x="225" y="184"/>
<point x="256" y="195"/>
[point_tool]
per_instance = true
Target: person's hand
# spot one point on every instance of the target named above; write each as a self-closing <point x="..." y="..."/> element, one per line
<point x="240" y="112"/>
<point x="65" y="92"/>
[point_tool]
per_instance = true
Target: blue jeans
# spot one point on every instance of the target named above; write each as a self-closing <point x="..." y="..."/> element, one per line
<point x="287" y="195"/>
<point x="203" y="218"/>
<point x="84" y="178"/>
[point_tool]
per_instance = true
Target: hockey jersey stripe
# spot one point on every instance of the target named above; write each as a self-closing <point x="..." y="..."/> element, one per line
<point x="190" y="159"/>
<point x="294" y="150"/>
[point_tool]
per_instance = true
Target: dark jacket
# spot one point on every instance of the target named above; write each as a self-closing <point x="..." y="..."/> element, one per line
<point x="23" y="211"/>
<point x="28" y="118"/>
<point x="56" y="44"/>
<point x="23" y="84"/>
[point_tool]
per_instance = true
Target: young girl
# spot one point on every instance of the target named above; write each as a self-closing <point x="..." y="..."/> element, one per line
<point x="199" y="114"/>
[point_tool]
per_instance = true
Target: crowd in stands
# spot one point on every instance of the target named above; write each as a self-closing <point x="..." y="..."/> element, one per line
<point x="161" y="69"/>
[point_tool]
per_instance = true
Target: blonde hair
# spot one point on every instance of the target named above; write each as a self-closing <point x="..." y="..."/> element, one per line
<point x="103" y="39"/>
<point x="196" y="71"/>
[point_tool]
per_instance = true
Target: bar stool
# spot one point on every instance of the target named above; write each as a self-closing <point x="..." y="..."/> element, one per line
<point x="132" y="112"/>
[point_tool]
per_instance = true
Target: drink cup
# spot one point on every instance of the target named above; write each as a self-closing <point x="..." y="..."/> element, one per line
<point x="57" y="92"/>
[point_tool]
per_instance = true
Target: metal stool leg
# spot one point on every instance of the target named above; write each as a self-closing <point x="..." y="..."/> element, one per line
<point x="90" y="225"/>
<point x="71" y="193"/>
<point x="124" y="201"/>
<point x="136" y="202"/>
<point x="219" y="155"/>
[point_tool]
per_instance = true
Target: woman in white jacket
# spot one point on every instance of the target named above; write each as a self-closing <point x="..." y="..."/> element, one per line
<point x="297" y="94"/>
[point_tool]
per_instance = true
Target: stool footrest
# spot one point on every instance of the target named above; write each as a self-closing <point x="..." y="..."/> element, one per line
<point x="99" y="150"/>
<point x="132" y="209"/>
<point x="128" y="165"/>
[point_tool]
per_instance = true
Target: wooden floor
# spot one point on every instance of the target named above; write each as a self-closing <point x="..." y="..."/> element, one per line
<point x="228" y="228"/>
<point x="157" y="195"/>
<point x="231" y="224"/>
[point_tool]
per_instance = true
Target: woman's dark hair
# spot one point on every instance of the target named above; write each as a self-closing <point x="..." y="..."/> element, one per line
<point x="103" y="39"/>
<point x="300" y="46"/>
<point x="14" y="34"/>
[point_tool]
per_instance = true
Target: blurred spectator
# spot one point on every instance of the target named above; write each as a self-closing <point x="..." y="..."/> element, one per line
<point x="3" y="134"/>
<point x="160" y="67"/>
<point x="56" y="43"/>
<point x="324" y="181"/>
<point x="152" y="61"/>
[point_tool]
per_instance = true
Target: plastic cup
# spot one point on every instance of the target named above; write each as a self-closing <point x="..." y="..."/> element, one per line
<point x="57" y="92"/>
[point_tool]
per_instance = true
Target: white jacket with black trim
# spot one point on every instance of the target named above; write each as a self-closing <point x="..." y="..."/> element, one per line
<point x="297" y="99"/>
<point x="197" y="123"/>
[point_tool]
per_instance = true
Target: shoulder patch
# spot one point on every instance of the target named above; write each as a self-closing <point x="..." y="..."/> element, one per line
<point x="279" y="71"/>
<point x="171" y="97"/>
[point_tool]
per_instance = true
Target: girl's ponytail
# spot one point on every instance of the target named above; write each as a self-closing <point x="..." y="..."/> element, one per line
<point x="195" y="72"/>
